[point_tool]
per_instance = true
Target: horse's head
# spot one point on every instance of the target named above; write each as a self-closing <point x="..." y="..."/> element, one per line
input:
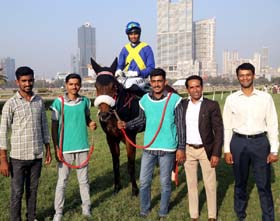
<point x="107" y="88"/>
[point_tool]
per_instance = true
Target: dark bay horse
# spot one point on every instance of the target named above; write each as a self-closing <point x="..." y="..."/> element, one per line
<point x="111" y="95"/>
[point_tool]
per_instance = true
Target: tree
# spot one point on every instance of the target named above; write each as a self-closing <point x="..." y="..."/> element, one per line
<point x="3" y="78"/>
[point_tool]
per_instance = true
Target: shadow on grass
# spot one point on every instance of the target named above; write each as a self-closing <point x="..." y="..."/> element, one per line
<point x="102" y="183"/>
<point x="225" y="178"/>
<point x="181" y="190"/>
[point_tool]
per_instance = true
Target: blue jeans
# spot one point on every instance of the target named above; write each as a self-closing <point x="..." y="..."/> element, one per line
<point x="25" y="175"/>
<point x="148" y="161"/>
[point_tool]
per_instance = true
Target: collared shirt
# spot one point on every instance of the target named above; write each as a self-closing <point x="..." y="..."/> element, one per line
<point x="192" y="122"/>
<point x="76" y="118"/>
<point x="55" y="114"/>
<point x="250" y="115"/>
<point x="29" y="125"/>
<point x="139" y="122"/>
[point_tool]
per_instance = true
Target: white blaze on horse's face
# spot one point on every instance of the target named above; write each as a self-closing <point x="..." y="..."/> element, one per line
<point x="104" y="99"/>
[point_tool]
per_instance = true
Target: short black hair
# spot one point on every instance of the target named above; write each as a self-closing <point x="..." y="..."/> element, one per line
<point x="245" y="66"/>
<point x="158" y="72"/>
<point x="23" y="71"/>
<point x="71" y="76"/>
<point x="194" y="77"/>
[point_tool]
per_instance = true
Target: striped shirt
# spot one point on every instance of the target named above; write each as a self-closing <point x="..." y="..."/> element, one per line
<point x="28" y="122"/>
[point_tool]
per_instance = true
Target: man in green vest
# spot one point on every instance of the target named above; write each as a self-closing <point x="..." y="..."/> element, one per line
<point x="75" y="146"/>
<point x="165" y="147"/>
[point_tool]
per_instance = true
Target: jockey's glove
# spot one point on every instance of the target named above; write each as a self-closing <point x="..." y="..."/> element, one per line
<point x="119" y="73"/>
<point x="132" y="74"/>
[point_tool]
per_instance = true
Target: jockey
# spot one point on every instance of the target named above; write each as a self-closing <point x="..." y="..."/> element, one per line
<point x="136" y="58"/>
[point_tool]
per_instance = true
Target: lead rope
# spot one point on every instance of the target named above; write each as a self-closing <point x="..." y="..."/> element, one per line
<point x="157" y="132"/>
<point x="85" y="162"/>
<point x="152" y="141"/>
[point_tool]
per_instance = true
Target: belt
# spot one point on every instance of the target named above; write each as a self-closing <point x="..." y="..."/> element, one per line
<point x="254" y="136"/>
<point x="196" y="146"/>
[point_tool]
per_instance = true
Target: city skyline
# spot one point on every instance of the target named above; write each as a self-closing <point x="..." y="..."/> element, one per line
<point x="87" y="47"/>
<point x="43" y="35"/>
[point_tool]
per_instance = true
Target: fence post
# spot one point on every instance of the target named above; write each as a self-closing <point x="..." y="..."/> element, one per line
<point x="214" y="93"/>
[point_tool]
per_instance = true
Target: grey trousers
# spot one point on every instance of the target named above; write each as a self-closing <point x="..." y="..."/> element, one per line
<point x="63" y="174"/>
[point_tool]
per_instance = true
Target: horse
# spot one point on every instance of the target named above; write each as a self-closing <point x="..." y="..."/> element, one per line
<point x="112" y="96"/>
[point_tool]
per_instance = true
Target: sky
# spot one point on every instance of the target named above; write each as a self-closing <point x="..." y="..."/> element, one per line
<point x="43" y="34"/>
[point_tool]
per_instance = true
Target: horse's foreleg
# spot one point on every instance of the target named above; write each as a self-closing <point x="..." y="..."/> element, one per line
<point x="115" y="152"/>
<point x="131" y="154"/>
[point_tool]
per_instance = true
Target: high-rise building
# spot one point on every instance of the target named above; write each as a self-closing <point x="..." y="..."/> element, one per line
<point x="231" y="61"/>
<point x="264" y="60"/>
<point x="8" y="64"/>
<point x="87" y="47"/>
<point x="181" y="42"/>
<point x="74" y="61"/>
<point x="204" y="46"/>
<point x="174" y="36"/>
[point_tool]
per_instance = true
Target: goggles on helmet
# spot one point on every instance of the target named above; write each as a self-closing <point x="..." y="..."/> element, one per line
<point x="133" y="27"/>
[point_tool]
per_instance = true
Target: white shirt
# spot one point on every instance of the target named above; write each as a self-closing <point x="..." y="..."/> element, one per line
<point x="250" y="115"/>
<point x="192" y="121"/>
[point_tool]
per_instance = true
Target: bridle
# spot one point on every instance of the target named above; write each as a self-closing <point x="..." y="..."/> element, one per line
<point x="113" y="109"/>
<point x="109" y="115"/>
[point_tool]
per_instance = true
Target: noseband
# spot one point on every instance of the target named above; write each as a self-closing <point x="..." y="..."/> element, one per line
<point x="105" y="116"/>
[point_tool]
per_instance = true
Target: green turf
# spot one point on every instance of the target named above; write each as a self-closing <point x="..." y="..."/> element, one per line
<point x="107" y="207"/>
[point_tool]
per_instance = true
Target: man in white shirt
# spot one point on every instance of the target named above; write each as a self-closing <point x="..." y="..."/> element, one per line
<point x="251" y="138"/>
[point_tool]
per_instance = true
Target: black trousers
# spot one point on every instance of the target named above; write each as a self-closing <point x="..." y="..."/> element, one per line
<point x="24" y="173"/>
<point x="252" y="152"/>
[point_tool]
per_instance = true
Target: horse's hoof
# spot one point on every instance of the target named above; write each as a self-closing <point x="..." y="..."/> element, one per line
<point x="135" y="192"/>
<point x="117" y="189"/>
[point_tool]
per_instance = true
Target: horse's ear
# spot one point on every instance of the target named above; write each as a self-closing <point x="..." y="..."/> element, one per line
<point x="114" y="65"/>
<point x="96" y="67"/>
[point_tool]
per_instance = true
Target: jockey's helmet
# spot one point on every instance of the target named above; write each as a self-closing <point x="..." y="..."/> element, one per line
<point x="133" y="27"/>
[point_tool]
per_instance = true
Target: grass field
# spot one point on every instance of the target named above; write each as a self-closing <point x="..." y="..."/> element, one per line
<point x="105" y="206"/>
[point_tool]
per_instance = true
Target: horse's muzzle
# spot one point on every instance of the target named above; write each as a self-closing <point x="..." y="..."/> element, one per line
<point x="105" y="116"/>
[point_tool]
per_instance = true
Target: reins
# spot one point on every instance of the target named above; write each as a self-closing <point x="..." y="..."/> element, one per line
<point x="85" y="162"/>
<point x="157" y="132"/>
